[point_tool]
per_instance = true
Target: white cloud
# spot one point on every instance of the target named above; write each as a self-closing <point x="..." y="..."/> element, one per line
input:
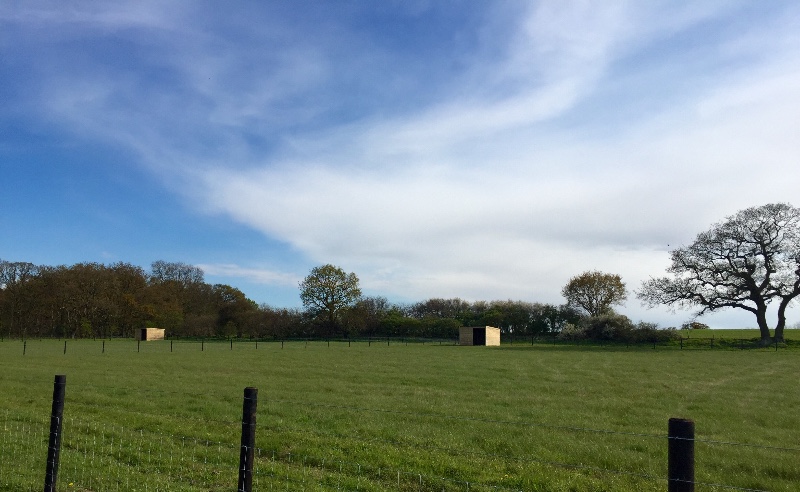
<point x="261" y="276"/>
<point x="574" y="148"/>
<point x="490" y="200"/>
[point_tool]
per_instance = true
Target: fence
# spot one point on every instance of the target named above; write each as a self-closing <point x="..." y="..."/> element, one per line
<point x="34" y="346"/>
<point x="86" y="455"/>
<point x="681" y="343"/>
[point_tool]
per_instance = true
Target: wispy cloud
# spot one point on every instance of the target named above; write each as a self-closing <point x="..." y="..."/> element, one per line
<point x="572" y="136"/>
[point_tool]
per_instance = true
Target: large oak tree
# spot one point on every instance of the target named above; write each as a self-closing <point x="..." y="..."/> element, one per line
<point x="747" y="261"/>
<point x="595" y="292"/>
<point x="327" y="291"/>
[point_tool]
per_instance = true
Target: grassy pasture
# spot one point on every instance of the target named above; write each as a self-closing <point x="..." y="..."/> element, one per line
<point x="746" y="333"/>
<point x="399" y="417"/>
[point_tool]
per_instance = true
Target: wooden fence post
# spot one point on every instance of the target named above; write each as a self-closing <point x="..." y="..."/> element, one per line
<point x="54" y="445"/>
<point x="680" y="465"/>
<point x="248" y="439"/>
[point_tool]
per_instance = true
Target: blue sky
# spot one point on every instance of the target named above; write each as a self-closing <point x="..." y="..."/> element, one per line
<point x="482" y="150"/>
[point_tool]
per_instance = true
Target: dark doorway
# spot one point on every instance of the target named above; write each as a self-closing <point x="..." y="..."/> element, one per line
<point x="479" y="336"/>
<point x="143" y="335"/>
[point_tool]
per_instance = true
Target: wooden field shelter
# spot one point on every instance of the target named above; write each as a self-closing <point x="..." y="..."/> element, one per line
<point x="147" y="334"/>
<point x="479" y="335"/>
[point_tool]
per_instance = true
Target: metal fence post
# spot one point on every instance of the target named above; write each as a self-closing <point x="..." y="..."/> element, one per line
<point x="54" y="445"/>
<point x="248" y="439"/>
<point x="680" y="466"/>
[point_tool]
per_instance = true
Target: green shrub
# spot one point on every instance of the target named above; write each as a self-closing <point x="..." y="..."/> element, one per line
<point x="619" y="328"/>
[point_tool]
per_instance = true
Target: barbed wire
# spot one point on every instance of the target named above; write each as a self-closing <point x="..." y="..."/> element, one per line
<point x="468" y="419"/>
<point x="111" y="438"/>
<point x="530" y="424"/>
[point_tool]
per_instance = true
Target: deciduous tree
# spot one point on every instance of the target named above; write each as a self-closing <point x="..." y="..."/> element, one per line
<point x="595" y="292"/>
<point x="746" y="261"/>
<point x="327" y="291"/>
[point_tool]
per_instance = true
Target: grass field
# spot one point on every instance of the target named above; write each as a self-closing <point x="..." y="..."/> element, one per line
<point x="399" y="417"/>
<point x="746" y="333"/>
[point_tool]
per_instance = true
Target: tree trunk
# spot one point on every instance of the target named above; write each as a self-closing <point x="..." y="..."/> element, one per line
<point x="779" y="331"/>
<point x="781" y="318"/>
<point x="761" y="317"/>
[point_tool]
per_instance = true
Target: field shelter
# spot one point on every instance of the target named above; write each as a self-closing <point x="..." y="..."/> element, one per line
<point x="147" y="334"/>
<point x="479" y="335"/>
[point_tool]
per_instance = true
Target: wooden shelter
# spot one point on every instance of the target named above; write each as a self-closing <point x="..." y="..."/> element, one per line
<point x="479" y="335"/>
<point x="147" y="334"/>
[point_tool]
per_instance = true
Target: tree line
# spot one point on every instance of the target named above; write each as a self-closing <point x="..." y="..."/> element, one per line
<point x="745" y="262"/>
<point x="98" y="300"/>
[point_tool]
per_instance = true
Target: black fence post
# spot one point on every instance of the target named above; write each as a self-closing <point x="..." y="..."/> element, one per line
<point x="680" y="466"/>
<point x="248" y="439"/>
<point x="24" y="346"/>
<point x="54" y="445"/>
<point x="65" y="347"/>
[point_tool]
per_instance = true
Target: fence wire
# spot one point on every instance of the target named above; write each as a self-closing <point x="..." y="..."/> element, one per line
<point x="99" y="456"/>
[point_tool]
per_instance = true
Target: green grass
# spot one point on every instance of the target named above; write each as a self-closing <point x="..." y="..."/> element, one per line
<point x="746" y="333"/>
<point x="399" y="417"/>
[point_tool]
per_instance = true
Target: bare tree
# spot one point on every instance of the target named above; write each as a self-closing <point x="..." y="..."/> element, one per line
<point x="747" y="261"/>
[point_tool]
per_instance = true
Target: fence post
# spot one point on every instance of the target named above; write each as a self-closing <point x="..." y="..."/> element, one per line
<point x="54" y="445"/>
<point x="680" y="466"/>
<point x="248" y="439"/>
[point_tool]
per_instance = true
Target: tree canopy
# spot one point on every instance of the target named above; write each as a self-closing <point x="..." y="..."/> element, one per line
<point x="595" y="292"/>
<point x="327" y="291"/>
<point x="746" y="261"/>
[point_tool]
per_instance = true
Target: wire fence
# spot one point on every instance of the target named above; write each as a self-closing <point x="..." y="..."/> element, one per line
<point x="37" y="346"/>
<point x="416" y="452"/>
